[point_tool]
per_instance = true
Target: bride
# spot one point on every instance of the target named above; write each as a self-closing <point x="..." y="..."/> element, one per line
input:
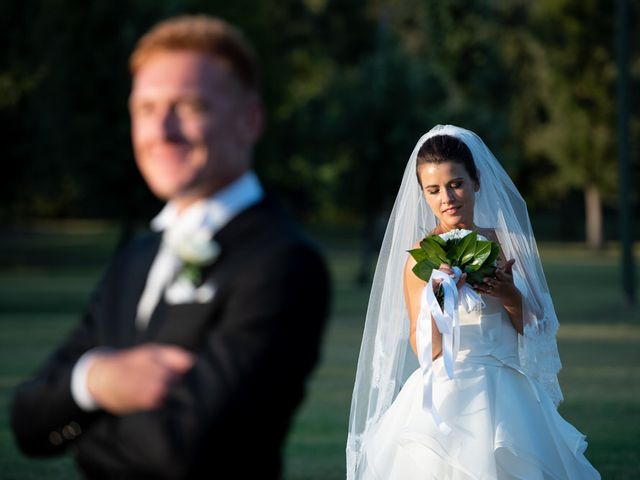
<point x="490" y="413"/>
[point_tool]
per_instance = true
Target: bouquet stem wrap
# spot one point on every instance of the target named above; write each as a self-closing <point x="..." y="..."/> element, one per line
<point x="448" y="322"/>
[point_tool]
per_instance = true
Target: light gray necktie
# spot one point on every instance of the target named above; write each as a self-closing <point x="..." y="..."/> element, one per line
<point x="162" y="272"/>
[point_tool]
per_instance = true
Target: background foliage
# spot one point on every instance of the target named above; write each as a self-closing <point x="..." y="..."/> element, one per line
<point x="350" y="85"/>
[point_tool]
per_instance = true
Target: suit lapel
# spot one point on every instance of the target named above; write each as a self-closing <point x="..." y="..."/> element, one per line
<point x="133" y="285"/>
<point x="180" y="324"/>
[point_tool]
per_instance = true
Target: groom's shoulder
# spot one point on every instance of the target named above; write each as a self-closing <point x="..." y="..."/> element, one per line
<point x="136" y="246"/>
<point x="139" y="241"/>
<point x="271" y="231"/>
<point x="265" y="221"/>
<point x="280" y="228"/>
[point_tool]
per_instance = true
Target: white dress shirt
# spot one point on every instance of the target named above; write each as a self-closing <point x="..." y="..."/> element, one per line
<point x="210" y="214"/>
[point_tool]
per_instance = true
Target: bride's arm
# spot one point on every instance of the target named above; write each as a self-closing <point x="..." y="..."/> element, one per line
<point x="503" y="286"/>
<point x="413" y="287"/>
<point x="510" y="295"/>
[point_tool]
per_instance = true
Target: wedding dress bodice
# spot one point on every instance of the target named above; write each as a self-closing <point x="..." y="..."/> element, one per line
<point x="487" y="335"/>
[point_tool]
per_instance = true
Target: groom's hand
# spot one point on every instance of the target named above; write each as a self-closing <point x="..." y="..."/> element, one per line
<point x="137" y="378"/>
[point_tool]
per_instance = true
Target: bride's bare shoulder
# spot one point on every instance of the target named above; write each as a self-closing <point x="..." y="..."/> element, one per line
<point x="410" y="279"/>
<point x="410" y="260"/>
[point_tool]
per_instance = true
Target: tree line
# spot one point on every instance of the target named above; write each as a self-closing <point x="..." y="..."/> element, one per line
<point x="350" y="85"/>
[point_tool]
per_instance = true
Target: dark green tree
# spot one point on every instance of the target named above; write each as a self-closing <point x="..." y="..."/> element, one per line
<point x="566" y="103"/>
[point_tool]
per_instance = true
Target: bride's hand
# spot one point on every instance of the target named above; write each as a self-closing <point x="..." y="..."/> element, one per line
<point x="449" y="271"/>
<point x="500" y="286"/>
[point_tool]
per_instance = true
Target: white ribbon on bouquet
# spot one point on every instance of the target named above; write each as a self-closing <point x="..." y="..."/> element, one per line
<point x="448" y="322"/>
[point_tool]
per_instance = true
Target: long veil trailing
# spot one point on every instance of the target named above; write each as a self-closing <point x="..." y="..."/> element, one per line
<point x="386" y="360"/>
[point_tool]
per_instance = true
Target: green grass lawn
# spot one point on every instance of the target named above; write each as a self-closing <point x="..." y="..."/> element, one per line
<point x="47" y="274"/>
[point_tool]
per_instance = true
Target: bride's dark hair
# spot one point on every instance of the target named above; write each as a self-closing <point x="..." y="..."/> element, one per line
<point x="445" y="148"/>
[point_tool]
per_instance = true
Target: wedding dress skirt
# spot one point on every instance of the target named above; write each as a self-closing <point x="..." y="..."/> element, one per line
<point x="504" y="426"/>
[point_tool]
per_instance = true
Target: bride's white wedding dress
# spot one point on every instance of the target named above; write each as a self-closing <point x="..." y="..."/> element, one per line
<point x="504" y="425"/>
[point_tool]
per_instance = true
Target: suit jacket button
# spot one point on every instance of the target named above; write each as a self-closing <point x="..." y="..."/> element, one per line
<point x="68" y="432"/>
<point x="76" y="428"/>
<point x="55" y="438"/>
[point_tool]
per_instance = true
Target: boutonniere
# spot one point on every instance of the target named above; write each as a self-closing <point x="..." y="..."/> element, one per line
<point x="195" y="249"/>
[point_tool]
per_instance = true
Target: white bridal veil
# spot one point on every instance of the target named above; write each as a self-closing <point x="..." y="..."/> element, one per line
<point x="386" y="360"/>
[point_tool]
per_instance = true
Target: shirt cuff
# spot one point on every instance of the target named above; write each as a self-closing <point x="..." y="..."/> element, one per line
<point x="79" y="388"/>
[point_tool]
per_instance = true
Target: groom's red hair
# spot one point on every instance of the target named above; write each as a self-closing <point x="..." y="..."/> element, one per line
<point x="204" y="34"/>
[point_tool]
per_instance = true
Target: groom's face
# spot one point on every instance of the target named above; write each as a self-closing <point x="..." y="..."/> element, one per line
<point x="193" y="125"/>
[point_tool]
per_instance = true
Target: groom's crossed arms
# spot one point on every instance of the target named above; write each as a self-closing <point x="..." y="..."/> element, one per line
<point x="165" y="409"/>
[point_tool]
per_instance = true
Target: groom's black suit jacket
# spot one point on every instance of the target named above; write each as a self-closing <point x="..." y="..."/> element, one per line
<point x="256" y="342"/>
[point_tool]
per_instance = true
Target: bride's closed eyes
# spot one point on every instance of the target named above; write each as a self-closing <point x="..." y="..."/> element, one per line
<point x="453" y="184"/>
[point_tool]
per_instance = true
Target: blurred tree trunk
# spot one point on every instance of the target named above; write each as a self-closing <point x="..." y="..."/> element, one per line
<point x="593" y="213"/>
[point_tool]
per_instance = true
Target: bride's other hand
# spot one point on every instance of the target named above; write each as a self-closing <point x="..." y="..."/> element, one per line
<point x="501" y="286"/>
<point x="504" y="273"/>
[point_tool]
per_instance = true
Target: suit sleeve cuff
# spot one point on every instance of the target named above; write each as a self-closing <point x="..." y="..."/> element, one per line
<point x="79" y="387"/>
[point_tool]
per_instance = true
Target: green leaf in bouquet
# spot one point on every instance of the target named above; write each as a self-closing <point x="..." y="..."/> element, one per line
<point x="433" y="249"/>
<point x="493" y="256"/>
<point x="192" y="272"/>
<point x="429" y="262"/>
<point x="471" y="267"/>
<point x="483" y="251"/>
<point x="440" y="297"/>
<point x="423" y="270"/>
<point x="474" y="277"/>
<point x="434" y="243"/>
<point x="488" y="271"/>
<point x="465" y="250"/>
<point x="439" y="240"/>
<point x="477" y="276"/>
<point x="418" y="254"/>
<point x="452" y="252"/>
<point x="469" y="254"/>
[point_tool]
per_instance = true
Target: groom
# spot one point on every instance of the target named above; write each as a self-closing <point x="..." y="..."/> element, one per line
<point x="194" y="350"/>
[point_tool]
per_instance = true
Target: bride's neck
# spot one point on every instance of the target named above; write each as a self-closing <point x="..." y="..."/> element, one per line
<point x="441" y="228"/>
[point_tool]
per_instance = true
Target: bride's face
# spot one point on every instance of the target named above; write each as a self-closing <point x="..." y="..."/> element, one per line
<point x="449" y="191"/>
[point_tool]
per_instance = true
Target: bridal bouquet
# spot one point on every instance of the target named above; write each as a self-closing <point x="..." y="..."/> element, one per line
<point x="473" y="254"/>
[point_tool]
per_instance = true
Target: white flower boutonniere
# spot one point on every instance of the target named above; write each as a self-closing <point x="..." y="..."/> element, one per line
<point x="196" y="249"/>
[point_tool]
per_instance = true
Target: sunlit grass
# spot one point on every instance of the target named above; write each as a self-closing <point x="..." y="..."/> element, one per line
<point x="47" y="276"/>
